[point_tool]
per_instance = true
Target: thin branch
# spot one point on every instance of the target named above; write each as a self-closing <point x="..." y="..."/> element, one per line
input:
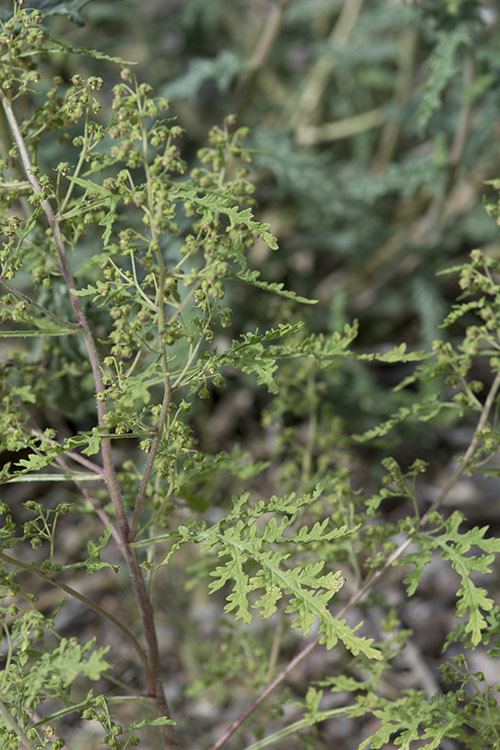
<point x="265" y="42"/>
<point x="268" y="34"/>
<point x="71" y="454"/>
<point x="272" y="739"/>
<point x="25" y="298"/>
<point x="145" y="602"/>
<point x="78" y="167"/>
<point x="85" y="462"/>
<point x="92" y="702"/>
<point x="403" y="89"/>
<point x="309" y="135"/>
<point x="184" y="302"/>
<point x="464" y="463"/>
<point x="61" y="460"/>
<point x="102" y="515"/>
<point x="22" y="185"/>
<point x="85" y="600"/>
<point x="466" y="113"/>
<point x="312" y="94"/>
<point x="267" y="691"/>
<point x="167" y="390"/>
<point x="149" y="464"/>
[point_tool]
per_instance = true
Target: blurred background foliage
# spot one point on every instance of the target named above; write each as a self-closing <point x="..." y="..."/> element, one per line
<point x="374" y="125"/>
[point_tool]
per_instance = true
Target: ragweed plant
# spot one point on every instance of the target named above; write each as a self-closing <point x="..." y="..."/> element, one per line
<point x="115" y="264"/>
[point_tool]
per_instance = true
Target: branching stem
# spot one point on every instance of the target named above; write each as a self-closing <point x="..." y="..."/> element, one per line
<point x="152" y="664"/>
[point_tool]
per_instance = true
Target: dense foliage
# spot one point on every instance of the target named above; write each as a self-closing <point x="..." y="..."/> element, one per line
<point x="141" y="297"/>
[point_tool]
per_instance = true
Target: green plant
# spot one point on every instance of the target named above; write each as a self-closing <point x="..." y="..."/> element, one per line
<point x="115" y="263"/>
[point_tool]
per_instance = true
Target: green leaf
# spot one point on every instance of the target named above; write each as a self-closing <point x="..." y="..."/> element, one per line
<point x="251" y="356"/>
<point x="108" y="221"/>
<point x="93" y="562"/>
<point x="95" y="665"/>
<point x="150" y="721"/>
<point x="24" y="393"/>
<point x="94" y="442"/>
<point x="35" y="461"/>
<point x="221" y="69"/>
<point x="89" y="289"/>
<point x="62" y="666"/>
<point x="420" y="560"/>
<point x="237" y="215"/>
<point x="253" y="278"/>
<point x="56" y="46"/>
<point x="92" y="187"/>
<point x="307" y="588"/>
<point x="412" y="718"/>
<point x="397" y="354"/>
<point x="472" y="600"/>
<point x="424" y="411"/>
<point x="443" y="66"/>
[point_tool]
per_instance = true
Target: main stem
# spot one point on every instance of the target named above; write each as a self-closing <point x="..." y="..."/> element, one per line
<point x="153" y="673"/>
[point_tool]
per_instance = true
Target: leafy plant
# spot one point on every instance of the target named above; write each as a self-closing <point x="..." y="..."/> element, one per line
<point x="115" y="265"/>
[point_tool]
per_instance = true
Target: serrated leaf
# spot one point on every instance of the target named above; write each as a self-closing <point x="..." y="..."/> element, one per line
<point x="424" y="411"/>
<point x="108" y="221"/>
<point x="63" y="665"/>
<point x="454" y="545"/>
<point x="236" y="215"/>
<point x="397" y="354"/>
<point x="443" y="66"/>
<point x="95" y="665"/>
<point x="253" y="277"/>
<point x="35" y="461"/>
<point x="307" y="588"/>
<point x="89" y="289"/>
<point x="94" y="440"/>
<point x="91" y="187"/>
<point x="24" y="393"/>
<point x="150" y="721"/>
<point x="420" y="559"/>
